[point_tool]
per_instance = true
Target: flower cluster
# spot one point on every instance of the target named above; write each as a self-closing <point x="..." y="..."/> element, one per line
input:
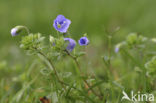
<point x="135" y="51"/>
<point x="59" y="47"/>
<point x="61" y="24"/>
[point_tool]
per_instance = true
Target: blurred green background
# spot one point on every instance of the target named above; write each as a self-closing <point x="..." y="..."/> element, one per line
<point x="87" y="16"/>
<point x="93" y="17"/>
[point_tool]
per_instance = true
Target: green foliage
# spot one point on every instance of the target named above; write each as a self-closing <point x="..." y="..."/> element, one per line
<point x="151" y="67"/>
<point x="25" y="79"/>
<point x="134" y="40"/>
<point x="74" y="85"/>
<point x="32" y="41"/>
<point x="59" y="44"/>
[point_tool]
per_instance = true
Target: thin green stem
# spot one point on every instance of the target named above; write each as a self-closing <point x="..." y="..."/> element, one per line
<point x="78" y="65"/>
<point x="108" y="64"/>
<point x="58" y="34"/>
<point x="24" y="27"/>
<point x="52" y="65"/>
<point x="109" y="45"/>
<point x="27" y="30"/>
<point x="109" y="52"/>
<point x="59" y="80"/>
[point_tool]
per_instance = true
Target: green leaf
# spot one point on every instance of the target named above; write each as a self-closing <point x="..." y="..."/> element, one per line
<point x="79" y="54"/>
<point x="32" y="41"/>
<point x="151" y="66"/>
<point x="95" y="85"/>
<point x="65" y="74"/>
<point x="45" y="71"/>
<point x="132" y="38"/>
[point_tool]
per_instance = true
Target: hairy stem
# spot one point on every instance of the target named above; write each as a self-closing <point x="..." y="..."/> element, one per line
<point x="52" y="65"/>
<point x="59" y="80"/>
<point x="27" y="30"/>
<point x="78" y="65"/>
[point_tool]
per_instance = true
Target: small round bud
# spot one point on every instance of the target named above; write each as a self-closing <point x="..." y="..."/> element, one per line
<point x="153" y="40"/>
<point x="85" y="35"/>
<point x="14" y="31"/>
<point x="51" y="39"/>
<point x="117" y="47"/>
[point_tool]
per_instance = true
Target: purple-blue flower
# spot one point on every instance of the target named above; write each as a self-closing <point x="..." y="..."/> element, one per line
<point x="83" y="41"/>
<point x="61" y="24"/>
<point x="116" y="49"/>
<point x="14" y="31"/>
<point x="71" y="44"/>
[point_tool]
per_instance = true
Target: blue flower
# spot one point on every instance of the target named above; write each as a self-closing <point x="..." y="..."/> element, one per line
<point x="61" y="24"/>
<point x="116" y="49"/>
<point x="83" y="41"/>
<point x="71" y="44"/>
<point x="14" y="31"/>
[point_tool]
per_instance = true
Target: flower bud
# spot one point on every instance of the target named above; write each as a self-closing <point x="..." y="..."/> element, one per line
<point x="153" y="40"/>
<point x="117" y="47"/>
<point x="51" y="39"/>
<point x="85" y="35"/>
<point x="16" y="30"/>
